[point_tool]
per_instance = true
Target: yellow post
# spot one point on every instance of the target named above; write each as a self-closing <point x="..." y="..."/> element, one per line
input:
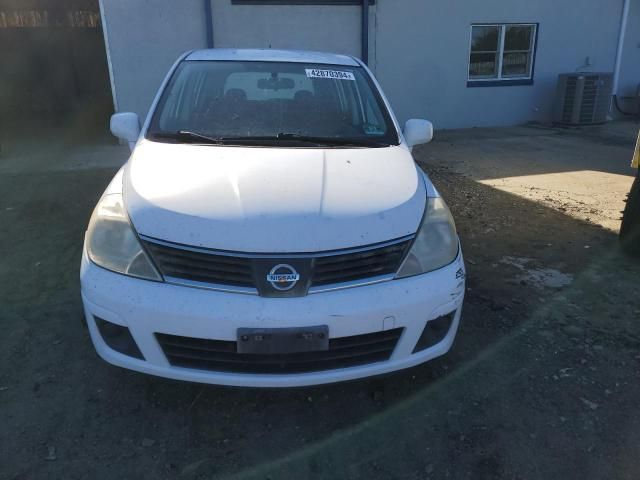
<point x="635" y="163"/>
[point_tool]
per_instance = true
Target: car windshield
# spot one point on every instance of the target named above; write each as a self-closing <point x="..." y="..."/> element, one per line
<point x="272" y="103"/>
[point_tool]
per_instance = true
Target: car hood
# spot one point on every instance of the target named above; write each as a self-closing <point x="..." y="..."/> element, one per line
<point x="273" y="200"/>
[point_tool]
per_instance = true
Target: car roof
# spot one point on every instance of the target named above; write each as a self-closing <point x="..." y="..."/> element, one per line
<point x="270" y="55"/>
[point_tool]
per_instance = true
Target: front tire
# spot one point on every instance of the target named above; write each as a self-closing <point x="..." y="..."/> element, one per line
<point x="630" y="228"/>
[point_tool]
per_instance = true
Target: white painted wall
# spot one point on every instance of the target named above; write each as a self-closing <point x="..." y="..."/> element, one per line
<point x="419" y="49"/>
<point x="630" y="66"/>
<point x="333" y="28"/>
<point x="145" y="37"/>
<point x="423" y="53"/>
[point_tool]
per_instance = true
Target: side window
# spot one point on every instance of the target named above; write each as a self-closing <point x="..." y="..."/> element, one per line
<point x="374" y="122"/>
<point x="181" y="100"/>
<point x="359" y="107"/>
<point x="350" y="106"/>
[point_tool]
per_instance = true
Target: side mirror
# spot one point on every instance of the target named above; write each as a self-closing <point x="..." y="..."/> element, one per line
<point x="417" y="131"/>
<point x="125" y="126"/>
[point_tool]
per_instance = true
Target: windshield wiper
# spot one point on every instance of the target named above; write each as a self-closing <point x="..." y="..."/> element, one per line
<point x="341" y="141"/>
<point x="195" y="137"/>
<point x="314" y="140"/>
<point x="188" y="136"/>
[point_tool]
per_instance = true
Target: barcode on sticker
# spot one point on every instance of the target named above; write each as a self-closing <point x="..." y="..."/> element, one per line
<point x="337" y="74"/>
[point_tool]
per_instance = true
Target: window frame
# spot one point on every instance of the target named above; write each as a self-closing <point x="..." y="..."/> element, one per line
<point x="500" y="80"/>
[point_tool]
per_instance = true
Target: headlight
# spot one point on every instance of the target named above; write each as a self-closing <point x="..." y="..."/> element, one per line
<point x="112" y="243"/>
<point x="436" y="243"/>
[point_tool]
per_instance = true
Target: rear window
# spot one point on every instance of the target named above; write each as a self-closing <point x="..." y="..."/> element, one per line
<point x="249" y="81"/>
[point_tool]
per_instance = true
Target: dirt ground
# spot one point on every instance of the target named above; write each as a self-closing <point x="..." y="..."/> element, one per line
<point x="542" y="382"/>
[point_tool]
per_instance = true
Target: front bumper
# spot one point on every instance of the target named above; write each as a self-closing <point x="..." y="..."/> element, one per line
<point x="147" y="308"/>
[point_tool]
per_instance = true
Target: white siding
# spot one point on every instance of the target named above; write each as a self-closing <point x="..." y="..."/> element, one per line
<point x="419" y="49"/>
<point x="423" y="53"/>
<point x="630" y="66"/>
<point x="145" y="38"/>
<point x="332" y="28"/>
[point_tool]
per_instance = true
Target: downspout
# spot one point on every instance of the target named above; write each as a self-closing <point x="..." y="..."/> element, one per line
<point x="623" y="31"/>
<point x="365" y="32"/>
<point x="208" y="17"/>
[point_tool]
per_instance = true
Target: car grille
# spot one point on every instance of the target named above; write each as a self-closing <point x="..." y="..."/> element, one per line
<point x="202" y="267"/>
<point x="246" y="270"/>
<point x="358" y="265"/>
<point x="222" y="356"/>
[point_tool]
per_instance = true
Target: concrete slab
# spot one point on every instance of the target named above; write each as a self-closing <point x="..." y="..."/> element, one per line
<point x="53" y="154"/>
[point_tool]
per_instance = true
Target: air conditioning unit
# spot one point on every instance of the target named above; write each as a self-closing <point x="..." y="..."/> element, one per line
<point x="583" y="98"/>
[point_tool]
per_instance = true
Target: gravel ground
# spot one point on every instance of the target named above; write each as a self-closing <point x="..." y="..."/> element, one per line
<point x="581" y="172"/>
<point x="542" y="382"/>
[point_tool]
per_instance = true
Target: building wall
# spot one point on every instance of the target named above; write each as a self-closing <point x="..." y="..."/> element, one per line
<point x="630" y="65"/>
<point x="310" y="27"/>
<point x="146" y="36"/>
<point x="423" y="52"/>
<point x="419" y="49"/>
<point x="144" y="39"/>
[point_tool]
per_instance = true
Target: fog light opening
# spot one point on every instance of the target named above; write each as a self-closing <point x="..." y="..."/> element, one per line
<point x="434" y="332"/>
<point x="118" y="338"/>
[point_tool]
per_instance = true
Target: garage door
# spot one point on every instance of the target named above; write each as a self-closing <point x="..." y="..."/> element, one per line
<point x="297" y="25"/>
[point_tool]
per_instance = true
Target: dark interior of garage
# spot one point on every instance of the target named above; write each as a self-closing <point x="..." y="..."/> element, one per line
<point x="54" y="71"/>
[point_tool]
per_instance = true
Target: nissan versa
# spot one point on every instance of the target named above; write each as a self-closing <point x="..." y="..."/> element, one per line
<point x="271" y="229"/>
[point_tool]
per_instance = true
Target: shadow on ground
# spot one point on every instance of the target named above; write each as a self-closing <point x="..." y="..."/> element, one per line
<point x="541" y="383"/>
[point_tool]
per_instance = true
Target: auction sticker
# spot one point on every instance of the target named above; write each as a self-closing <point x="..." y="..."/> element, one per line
<point x="336" y="74"/>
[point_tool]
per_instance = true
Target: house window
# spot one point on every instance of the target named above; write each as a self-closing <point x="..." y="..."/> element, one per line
<point x="502" y="54"/>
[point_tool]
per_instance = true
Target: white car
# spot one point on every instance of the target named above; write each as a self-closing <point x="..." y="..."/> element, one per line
<point x="271" y="229"/>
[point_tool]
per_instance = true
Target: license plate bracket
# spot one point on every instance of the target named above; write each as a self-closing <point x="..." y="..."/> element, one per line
<point x="283" y="340"/>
